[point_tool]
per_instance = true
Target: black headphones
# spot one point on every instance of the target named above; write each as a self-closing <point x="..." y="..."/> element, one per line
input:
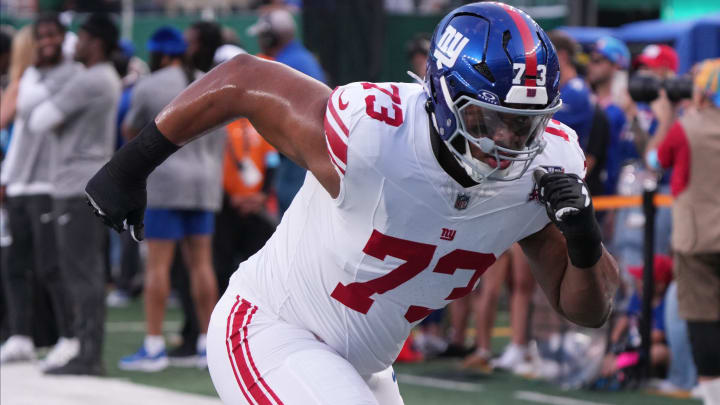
<point x="268" y="39"/>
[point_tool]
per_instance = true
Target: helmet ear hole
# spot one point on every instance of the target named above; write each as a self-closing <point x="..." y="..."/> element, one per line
<point x="507" y="36"/>
<point x="484" y="70"/>
<point x="429" y="106"/>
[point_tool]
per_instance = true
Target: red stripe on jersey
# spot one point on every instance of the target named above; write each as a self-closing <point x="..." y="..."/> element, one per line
<point x="337" y="144"/>
<point x="557" y="132"/>
<point x="230" y="347"/>
<point x="335" y="115"/>
<point x="556" y="122"/>
<point x="527" y="38"/>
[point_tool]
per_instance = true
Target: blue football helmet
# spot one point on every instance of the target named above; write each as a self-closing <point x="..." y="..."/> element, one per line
<point x="493" y="84"/>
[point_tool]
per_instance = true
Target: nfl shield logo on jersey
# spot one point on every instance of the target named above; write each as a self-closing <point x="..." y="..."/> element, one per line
<point x="554" y="169"/>
<point x="461" y="202"/>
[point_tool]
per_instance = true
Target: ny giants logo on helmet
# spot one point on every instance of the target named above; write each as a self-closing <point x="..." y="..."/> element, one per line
<point x="449" y="47"/>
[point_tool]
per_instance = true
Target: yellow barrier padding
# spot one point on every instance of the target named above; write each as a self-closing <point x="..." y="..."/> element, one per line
<point x="612" y="202"/>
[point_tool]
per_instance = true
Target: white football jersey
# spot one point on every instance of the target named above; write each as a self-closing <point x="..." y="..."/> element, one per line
<point x="402" y="238"/>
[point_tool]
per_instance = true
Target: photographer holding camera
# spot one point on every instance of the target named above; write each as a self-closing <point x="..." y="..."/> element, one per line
<point x="655" y="91"/>
<point x="655" y="101"/>
<point x="690" y="148"/>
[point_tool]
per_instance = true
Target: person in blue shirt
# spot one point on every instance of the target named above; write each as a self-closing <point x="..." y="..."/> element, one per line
<point x="275" y="32"/>
<point x="580" y="113"/>
<point x="577" y="109"/>
<point x="609" y="62"/>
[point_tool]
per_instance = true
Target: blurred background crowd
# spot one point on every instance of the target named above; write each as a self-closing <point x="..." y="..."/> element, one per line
<point x="81" y="78"/>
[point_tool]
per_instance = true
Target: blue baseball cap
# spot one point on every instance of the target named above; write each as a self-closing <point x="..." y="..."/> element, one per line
<point x="127" y="48"/>
<point x="167" y="40"/>
<point x="614" y="50"/>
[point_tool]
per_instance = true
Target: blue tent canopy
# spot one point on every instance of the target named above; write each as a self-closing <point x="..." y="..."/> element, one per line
<point x="588" y="35"/>
<point x="694" y="40"/>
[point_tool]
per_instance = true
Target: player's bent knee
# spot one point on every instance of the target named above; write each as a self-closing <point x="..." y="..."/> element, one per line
<point x="319" y="377"/>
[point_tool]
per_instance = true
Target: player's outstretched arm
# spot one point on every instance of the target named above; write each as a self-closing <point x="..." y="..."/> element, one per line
<point x="285" y="106"/>
<point x="567" y="257"/>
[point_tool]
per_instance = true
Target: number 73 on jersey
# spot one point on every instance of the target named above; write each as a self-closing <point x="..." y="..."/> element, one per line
<point x="417" y="257"/>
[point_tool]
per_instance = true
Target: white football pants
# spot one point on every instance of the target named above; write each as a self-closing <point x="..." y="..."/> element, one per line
<point x="255" y="358"/>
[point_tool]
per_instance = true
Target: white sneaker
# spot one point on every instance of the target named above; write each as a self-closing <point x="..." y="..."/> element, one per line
<point x="117" y="299"/>
<point x="17" y="348"/>
<point x="143" y="361"/>
<point x="480" y="360"/>
<point x="511" y="357"/>
<point x="430" y="345"/>
<point x="710" y="391"/>
<point x="531" y="365"/>
<point x="697" y="392"/>
<point x="64" y="350"/>
<point x="202" y="360"/>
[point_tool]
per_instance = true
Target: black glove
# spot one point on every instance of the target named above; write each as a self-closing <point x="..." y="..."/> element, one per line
<point x="570" y="208"/>
<point x="119" y="204"/>
<point x="117" y="191"/>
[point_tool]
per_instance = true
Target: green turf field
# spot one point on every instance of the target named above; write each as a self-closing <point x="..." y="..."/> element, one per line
<point x="439" y="382"/>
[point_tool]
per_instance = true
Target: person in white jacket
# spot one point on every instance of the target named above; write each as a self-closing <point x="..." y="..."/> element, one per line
<point x="26" y="178"/>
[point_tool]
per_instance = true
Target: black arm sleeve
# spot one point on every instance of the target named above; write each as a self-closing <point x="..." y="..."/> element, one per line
<point x="135" y="161"/>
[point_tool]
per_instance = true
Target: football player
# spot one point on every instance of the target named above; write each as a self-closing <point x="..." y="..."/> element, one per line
<point x="412" y="192"/>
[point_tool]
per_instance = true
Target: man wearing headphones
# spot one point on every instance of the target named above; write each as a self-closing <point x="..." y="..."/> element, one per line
<point x="275" y="32"/>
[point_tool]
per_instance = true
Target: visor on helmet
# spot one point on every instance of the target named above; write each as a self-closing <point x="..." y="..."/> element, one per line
<point x="499" y="142"/>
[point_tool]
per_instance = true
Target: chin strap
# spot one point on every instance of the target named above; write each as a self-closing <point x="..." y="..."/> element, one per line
<point x="419" y="81"/>
<point x="470" y="170"/>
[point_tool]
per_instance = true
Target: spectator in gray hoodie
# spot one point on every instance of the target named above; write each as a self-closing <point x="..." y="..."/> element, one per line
<point x="83" y="114"/>
<point x="27" y="181"/>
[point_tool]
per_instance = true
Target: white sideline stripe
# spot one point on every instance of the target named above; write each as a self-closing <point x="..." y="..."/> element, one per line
<point x="139" y="326"/>
<point x="439" y="383"/>
<point x="551" y="399"/>
<point x="24" y="384"/>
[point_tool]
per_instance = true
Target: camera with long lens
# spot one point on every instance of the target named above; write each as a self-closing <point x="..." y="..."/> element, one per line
<point x="645" y="88"/>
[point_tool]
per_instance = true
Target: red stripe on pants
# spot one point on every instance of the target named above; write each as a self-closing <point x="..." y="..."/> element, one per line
<point x="246" y="373"/>
<point x="230" y="348"/>
<point x="252" y="362"/>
